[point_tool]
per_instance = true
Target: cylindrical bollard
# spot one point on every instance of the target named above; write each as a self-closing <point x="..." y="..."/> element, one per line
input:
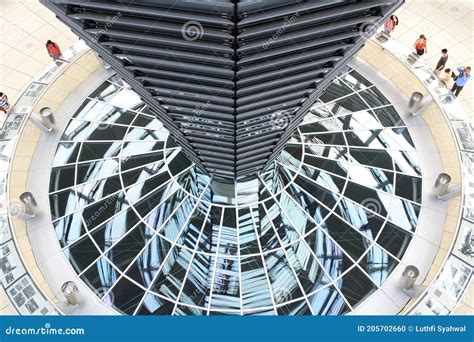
<point x="409" y="276"/>
<point x="442" y="184"/>
<point x="30" y="203"/>
<point x="47" y="118"/>
<point x="70" y="292"/>
<point x="415" y="101"/>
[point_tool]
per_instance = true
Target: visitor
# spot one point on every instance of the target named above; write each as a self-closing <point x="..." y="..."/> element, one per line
<point x="461" y="80"/>
<point x="442" y="62"/>
<point x="446" y="77"/>
<point x="390" y="25"/>
<point x="440" y="66"/>
<point x="4" y="104"/>
<point x="421" y="45"/>
<point x="54" y="50"/>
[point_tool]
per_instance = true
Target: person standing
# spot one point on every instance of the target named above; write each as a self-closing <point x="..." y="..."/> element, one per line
<point x="390" y="24"/>
<point x="4" y="104"/>
<point x="446" y="77"/>
<point x="421" y="45"/>
<point x="54" y="50"/>
<point x="442" y="62"/>
<point x="461" y="80"/>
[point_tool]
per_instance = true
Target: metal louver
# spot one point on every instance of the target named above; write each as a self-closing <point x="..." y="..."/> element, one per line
<point x="230" y="80"/>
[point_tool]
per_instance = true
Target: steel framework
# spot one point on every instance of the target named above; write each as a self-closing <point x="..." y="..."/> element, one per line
<point x="230" y="80"/>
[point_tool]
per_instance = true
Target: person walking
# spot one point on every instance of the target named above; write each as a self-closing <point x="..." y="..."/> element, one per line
<point x="442" y="62"/>
<point x="4" y="104"/>
<point x="390" y="24"/>
<point x="54" y="50"/>
<point x="461" y="80"/>
<point x="421" y="45"/>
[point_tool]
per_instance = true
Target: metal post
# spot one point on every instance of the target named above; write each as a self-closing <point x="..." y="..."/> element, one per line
<point x="47" y="118"/>
<point x="441" y="185"/>
<point x="409" y="276"/>
<point x="425" y="104"/>
<point x="452" y="192"/>
<point x="29" y="203"/>
<point x="414" y="103"/>
<point x="71" y="292"/>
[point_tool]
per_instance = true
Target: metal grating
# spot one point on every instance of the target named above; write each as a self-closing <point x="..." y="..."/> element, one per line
<point x="230" y="80"/>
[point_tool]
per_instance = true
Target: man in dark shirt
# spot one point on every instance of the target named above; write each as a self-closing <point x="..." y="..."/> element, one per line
<point x="442" y="62"/>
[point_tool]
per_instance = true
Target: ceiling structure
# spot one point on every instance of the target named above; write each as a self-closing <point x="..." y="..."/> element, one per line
<point x="317" y="232"/>
<point x="230" y="80"/>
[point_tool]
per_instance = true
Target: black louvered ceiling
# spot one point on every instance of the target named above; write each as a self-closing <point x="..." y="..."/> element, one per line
<point x="230" y="80"/>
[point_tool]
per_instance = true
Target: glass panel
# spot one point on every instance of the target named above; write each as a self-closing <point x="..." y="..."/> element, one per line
<point x="66" y="153"/>
<point x="329" y="254"/>
<point x="394" y="239"/>
<point x="378" y="264"/>
<point x="131" y="244"/>
<point x="100" y="277"/>
<point x="69" y="229"/>
<point x="82" y="253"/>
<point x="126" y="296"/>
<point x="62" y="177"/>
<point x="62" y="203"/>
<point x="197" y="286"/>
<point x="226" y="290"/>
<point x="154" y="305"/>
<point x="328" y="301"/>
<point x="295" y="308"/>
<point x="171" y="277"/>
<point x="282" y="279"/>
<point x="255" y="291"/>
<point x="355" y="286"/>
